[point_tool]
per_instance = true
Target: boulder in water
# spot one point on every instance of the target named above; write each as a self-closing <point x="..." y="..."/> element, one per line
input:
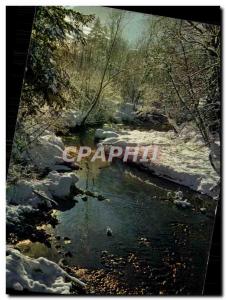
<point x="182" y="203"/>
<point x="103" y="134"/>
<point x="179" y="195"/>
<point x="60" y="185"/>
<point x="203" y="210"/>
<point x="109" y="231"/>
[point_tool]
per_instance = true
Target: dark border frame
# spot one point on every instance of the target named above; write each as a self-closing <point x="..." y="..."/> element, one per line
<point x="19" y="21"/>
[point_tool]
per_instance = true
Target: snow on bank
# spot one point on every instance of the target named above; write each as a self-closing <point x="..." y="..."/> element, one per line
<point x="70" y="118"/>
<point x="184" y="161"/>
<point x="16" y="216"/>
<point x="38" y="192"/>
<point x="102" y="134"/>
<point x="36" y="275"/>
<point x="46" y="152"/>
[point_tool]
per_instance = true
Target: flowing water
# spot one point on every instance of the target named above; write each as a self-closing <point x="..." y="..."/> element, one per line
<point x="140" y="219"/>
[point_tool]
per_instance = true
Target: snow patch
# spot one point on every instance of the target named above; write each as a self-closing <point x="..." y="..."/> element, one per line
<point x="15" y="214"/>
<point x="45" y="152"/>
<point x="102" y="134"/>
<point x="38" y="192"/>
<point x="70" y="118"/>
<point x="36" y="275"/>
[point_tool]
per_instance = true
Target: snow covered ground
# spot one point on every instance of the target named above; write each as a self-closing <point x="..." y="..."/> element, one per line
<point x="182" y="159"/>
<point x="36" y="192"/>
<point x="37" y="275"/>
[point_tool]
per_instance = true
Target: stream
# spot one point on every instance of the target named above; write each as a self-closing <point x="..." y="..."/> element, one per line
<point x="170" y="244"/>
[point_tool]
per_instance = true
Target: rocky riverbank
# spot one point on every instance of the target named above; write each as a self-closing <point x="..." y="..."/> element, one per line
<point x="29" y="206"/>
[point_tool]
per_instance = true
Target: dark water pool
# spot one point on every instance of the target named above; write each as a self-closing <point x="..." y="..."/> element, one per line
<point x="140" y="218"/>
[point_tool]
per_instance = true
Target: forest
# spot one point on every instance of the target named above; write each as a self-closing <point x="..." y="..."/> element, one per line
<point x="115" y="228"/>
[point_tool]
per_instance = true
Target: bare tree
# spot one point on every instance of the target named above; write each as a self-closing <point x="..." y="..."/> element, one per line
<point x="115" y="31"/>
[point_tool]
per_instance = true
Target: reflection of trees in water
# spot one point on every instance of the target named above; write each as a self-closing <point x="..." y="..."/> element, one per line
<point x="87" y="174"/>
<point x="85" y="235"/>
